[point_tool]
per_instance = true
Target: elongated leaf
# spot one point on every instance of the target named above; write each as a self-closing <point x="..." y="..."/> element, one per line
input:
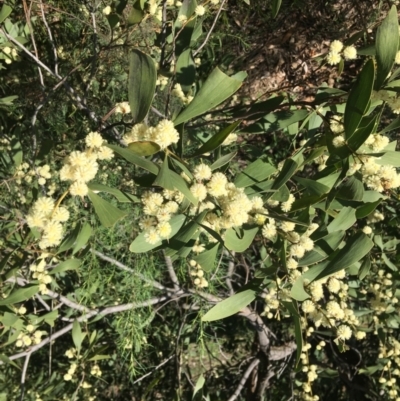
<point x="107" y="213"/>
<point x="394" y="125"/>
<point x="276" y="121"/>
<point x="230" y="306"/>
<point x="216" y="140"/>
<point x="19" y="295"/>
<point x="69" y="264"/>
<point x="391" y="158"/>
<point x="217" y="88"/>
<point x="83" y="238"/>
<point x="313" y="187"/>
<point x="312" y="257"/>
<point x="5" y="12"/>
<point x="259" y="109"/>
<point x="180" y="184"/>
<point x="222" y="161"/>
<point x="164" y="176"/>
<point x="120" y="196"/>
<point x="255" y="172"/>
<point x="136" y="14"/>
<point x="351" y="189"/>
<point x="276" y="5"/>
<point x="77" y="335"/>
<point x="344" y="220"/>
<point x="234" y="243"/>
<point x="359" y="98"/>
<point x="387" y="43"/>
<point x="288" y="169"/>
<point x="185" y="69"/>
<point x="142" y="84"/>
<point x="69" y="241"/>
<point x="178" y="244"/>
<point x="294" y="311"/>
<point x="144" y="148"/>
<point x="199" y="385"/>
<point x="140" y="245"/>
<point x="298" y="292"/>
<point x="206" y="259"/>
<point x="361" y="135"/>
<point x="134" y="159"/>
<point x="354" y="250"/>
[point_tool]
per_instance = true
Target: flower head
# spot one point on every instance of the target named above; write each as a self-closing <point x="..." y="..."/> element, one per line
<point x="350" y="53"/>
<point x="336" y="46"/>
<point x="333" y="58"/>
<point x="200" y="10"/>
<point x="94" y="140"/>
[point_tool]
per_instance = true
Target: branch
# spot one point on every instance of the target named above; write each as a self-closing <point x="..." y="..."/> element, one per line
<point x="121" y="266"/>
<point x="95" y="312"/>
<point x="23" y="376"/>
<point x="154" y="370"/>
<point x="263" y="332"/>
<point x="171" y="272"/>
<point x="28" y="21"/>
<point x="81" y="104"/>
<point x="231" y="269"/>
<point x="211" y="29"/>
<point x="244" y="378"/>
<point x="50" y="37"/>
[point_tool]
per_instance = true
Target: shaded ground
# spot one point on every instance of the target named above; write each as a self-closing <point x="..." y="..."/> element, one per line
<point x="286" y="53"/>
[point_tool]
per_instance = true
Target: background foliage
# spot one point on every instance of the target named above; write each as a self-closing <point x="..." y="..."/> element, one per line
<point x="297" y="299"/>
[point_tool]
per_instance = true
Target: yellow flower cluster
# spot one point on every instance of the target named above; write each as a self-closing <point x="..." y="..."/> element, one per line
<point x="178" y="92"/>
<point x="164" y="134"/>
<point x="47" y="219"/>
<point x="384" y="297"/>
<point x="10" y="54"/>
<point x="95" y="371"/>
<point x="31" y="336"/>
<point x="81" y="167"/>
<point x="377" y="177"/>
<point x="197" y="272"/>
<point x="39" y="273"/>
<point x="158" y="209"/>
<point x="23" y="172"/>
<point x="71" y="372"/>
<point x="336" y="50"/>
<point x="389" y="352"/>
<point x="122" y="108"/>
<point x="5" y="144"/>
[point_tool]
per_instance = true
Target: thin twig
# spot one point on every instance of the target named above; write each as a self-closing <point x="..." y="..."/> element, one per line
<point x="154" y="370"/>
<point x="28" y="21"/>
<point x="211" y="29"/>
<point x="81" y="103"/>
<point x="23" y="375"/>
<point x="95" y="312"/>
<point x="94" y="59"/>
<point x="121" y="266"/>
<point x="50" y="37"/>
<point x="244" y="378"/>
<point x="41" y="300"/>
<point x="231" y="269"/>
<point x="171" y="272"/>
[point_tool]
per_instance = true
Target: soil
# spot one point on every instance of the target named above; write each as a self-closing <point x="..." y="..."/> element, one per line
<point x="287" y="53"/>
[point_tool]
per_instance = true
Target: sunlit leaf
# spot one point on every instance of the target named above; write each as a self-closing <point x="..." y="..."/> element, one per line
<point x="230" y="306"/>
<point x="107" y="213"/>
<point x="144" y="148"/>
<point x="208" y="97"/>
<point x="142" y="84"/>
<point x="358" y="100"/>
<point x="387" y="42"/>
